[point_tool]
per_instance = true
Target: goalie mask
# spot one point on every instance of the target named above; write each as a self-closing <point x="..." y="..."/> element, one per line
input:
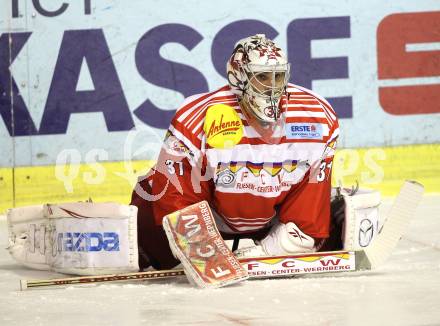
<point x="258" y="73"/>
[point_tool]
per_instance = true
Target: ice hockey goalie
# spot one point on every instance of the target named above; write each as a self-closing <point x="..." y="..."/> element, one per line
<point x="259" y="150"/>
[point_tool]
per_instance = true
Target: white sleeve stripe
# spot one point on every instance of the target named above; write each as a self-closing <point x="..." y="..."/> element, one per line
<point x="330" y="113"/>
<point x="246" y="220"/>
<point x="304" y="105"/>
<point x="309" y="91"/>
<point x="291" y="114"/>
<point x="320" y="98"/>
<point x="248" y="223"/>
<point x="199" y="125"/>
<point x="199" y="104"/>
<point x="304" y="97"/>
<point x="188" y="112"/>
<point x="247" y="228"/>
<point x="329" y="119"/>
<point x="203" y="105"/>
<point x="240" y="225"/>
<point x="334" y="135"/>
<point x="195" y="117"/>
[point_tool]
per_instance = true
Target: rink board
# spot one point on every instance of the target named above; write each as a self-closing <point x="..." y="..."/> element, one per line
<point x="378" y="168"/>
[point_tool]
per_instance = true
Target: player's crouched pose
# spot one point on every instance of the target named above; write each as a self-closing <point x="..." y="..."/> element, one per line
<point x="259" y="150"/>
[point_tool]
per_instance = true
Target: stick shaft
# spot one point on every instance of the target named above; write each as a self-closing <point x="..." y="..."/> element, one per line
<point x="25" y="284"/>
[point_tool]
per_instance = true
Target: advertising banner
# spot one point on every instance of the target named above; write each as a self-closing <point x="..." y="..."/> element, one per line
<point x="83" y="75"/>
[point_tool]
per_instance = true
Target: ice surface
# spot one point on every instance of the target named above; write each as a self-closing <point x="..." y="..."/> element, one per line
<point x="405" y="291"/>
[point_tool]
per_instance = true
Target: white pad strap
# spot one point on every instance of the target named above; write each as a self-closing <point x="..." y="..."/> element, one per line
<point x="361" y="218"/>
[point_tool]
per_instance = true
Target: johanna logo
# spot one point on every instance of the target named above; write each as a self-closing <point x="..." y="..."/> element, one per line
<point x="366" y="232"/>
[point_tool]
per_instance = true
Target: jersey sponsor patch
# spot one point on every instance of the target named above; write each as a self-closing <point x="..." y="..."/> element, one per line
<point x="223" y="126"/>
<point x="304" y="131"/>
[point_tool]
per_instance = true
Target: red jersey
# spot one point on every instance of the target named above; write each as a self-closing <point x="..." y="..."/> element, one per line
<point x="253" y="182"/>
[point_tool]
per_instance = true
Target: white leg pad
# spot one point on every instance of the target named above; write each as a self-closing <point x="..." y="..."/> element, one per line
<point x="75" y="238"/>
<point x="26" y="226"/>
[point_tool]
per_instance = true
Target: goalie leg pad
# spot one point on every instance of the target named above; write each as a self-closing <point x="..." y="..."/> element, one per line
<point x="27" y="236"/>
<point x="75" y="238"/>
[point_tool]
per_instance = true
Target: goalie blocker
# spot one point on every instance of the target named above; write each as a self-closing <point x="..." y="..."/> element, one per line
<point x="355" y="219"/>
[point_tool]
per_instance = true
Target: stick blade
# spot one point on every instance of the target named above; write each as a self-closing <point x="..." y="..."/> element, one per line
<point x="23" y="285"/>
<point x="396" y="224"/>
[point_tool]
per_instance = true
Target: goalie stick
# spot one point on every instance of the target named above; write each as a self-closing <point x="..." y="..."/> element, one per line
<point x="373" y="256"/>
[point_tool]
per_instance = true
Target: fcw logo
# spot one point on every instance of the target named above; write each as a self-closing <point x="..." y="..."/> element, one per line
<point x="333" y="262"/>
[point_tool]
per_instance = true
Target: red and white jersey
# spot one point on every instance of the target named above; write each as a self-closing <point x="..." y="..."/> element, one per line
<point x="252" y="182"/>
